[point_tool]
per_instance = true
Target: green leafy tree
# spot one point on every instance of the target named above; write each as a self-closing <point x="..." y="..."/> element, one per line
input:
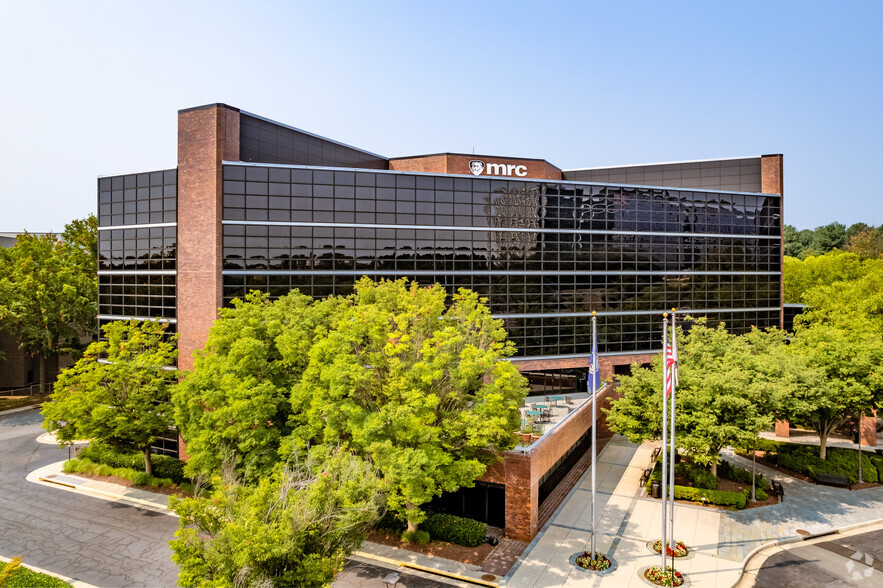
<point x="49" y="292"/>
<point x="119" y="392"/>
<point x="235" y="405"/>
<point x="724" y="397"/>
<point x="294" y="528"/>
<point x="828" y="237"/>
<point x="801" y="275"/>
<point x="856" y="228"/>
<point x="867" y="244"/>
<point x="414" y="386"/>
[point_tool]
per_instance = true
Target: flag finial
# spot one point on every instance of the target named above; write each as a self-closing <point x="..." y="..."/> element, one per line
<point x="664" y="315"/>
<point x="673" y="310"/>
<point x="594" y="312"/>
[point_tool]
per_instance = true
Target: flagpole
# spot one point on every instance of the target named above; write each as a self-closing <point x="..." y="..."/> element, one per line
<point x="671" y="440"/>
<point x="594" y="419"/>
<point x="664" y="496"/>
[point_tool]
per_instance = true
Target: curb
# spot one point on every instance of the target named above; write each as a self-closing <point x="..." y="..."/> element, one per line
<point x="422" y="568"/>
<point x="72" y="581"/>
<point x="40" y="477"/>
<point x="789" y="540"/>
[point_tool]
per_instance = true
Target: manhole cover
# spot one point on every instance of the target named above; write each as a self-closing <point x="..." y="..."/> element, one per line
<point x="803" y="532"/>
<point x="488" y="577"/>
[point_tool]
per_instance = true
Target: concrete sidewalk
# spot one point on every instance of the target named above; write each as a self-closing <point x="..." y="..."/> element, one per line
<point x="720" y="540"/>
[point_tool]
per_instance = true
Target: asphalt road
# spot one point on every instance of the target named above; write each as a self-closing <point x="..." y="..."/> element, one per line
<point x="837" y="561"/>
<point x="103" y="543"/>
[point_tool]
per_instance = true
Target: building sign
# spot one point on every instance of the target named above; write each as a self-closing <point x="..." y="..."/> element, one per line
<point x="477" y="167"/>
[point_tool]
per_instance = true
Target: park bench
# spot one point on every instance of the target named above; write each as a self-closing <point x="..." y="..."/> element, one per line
<point x="645" y="476"/>
<point x="833" y="480"/>
<point x="391" y="580"/>
<point x="655" y="454"/>
<point x="778" y="490"/>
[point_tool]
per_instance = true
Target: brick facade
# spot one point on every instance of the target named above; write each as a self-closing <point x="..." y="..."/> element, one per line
<point x="458" y="163"/>
<point x="206" y="136"/>
<point x="607" y="363"/>
<point x="521" y="471"/>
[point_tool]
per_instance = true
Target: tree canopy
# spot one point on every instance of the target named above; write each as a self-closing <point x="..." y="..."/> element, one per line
<point x="119" y="392"/>
<point x="724" y="397"/>
<point x="295" y="527"/>
<point x="410" y="384"/>
<point x="49" y="292"/>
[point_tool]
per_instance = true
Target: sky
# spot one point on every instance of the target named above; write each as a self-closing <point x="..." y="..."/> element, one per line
<point x="93" y="88"/>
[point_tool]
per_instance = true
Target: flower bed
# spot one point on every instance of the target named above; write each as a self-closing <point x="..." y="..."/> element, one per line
<point x="667" y="577"/>
<point x="680" y="549"/>
<point x="598" y="564"/>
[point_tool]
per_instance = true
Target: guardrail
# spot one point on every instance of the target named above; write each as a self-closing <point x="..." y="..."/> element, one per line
<point x="29" y="390"/>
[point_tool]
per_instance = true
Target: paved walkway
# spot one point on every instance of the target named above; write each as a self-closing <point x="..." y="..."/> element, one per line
<point x="720" y="539"/>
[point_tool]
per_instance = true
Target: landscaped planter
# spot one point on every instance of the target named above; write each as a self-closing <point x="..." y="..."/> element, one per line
<point x="684" y="551"/>
<point x="653" y="577"/>
<point x="581" y="557"/>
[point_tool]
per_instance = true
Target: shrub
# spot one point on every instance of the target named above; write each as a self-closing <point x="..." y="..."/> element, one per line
<point x="163" y="465"/>
<point x="454" y="529"/>
<point x="730" y="472"/>
<point x="420" y="536"/>
<point x="804" y="459"/>
<point x="736" y="500"/>
<point x="698" y="476"/>
<point x="82" y="465"/>
<point x="24" y="578"/>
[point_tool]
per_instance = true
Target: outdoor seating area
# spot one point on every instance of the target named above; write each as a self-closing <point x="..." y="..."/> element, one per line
<point x="539" y="414"/>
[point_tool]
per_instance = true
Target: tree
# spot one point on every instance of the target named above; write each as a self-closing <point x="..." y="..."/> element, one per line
<point x="867" y="244"/>
<point x="49" y="292"/>
<point x="235" y="405"/>
<point x="413" y="386"/>
<point x="828" y="237"/>
<point x="723" y="398"/>
<point x="800" y="276"/>
<point x="119" y="392"/>
<point x="294" y="528"/>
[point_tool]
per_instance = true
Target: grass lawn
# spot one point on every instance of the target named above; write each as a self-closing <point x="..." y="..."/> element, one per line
<point x="7" y="402"/>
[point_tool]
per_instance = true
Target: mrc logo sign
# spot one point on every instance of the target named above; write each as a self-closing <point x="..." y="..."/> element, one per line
<point x="479" y="167"/>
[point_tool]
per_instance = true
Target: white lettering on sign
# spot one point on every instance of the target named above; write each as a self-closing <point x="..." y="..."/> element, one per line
<point x="477" y="167"/>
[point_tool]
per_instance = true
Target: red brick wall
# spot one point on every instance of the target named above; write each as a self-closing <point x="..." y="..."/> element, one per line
<point x="772" y="182"/>
<point x="202" y="145"/>
<point x="868" y="429"/>
<point x="455" y="163"/>
<point x="521" y="471"/>
<point x="606" y="362"/>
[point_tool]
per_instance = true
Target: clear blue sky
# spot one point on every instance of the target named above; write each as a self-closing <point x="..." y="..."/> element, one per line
<point x="92" y="88"/>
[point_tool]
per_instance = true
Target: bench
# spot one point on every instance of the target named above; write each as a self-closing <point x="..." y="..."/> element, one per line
<point x="777" y="489"/>
<point x="656" y="453"/>
<point x="833" y="480"/>
<point x="391" y="580"/>
<point x="645" y="476"/>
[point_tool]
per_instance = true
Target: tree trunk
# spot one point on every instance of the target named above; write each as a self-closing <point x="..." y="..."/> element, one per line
<point x="714" y="468"/>
<point x="148" y="465"/>
<point x="823" y="445"/>
<point x="411" y="526"/>
<point x="42" y="374"/>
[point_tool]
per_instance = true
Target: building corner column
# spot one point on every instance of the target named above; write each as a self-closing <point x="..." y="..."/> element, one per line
<point x="772" y="182"/>
<point x="207" y="135"/>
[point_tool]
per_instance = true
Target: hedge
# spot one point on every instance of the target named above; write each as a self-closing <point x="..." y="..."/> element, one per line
<point x="718" y="497"/>
<point x="736" y="500"/>
<point x="164" y="466"/>
<point x="804" y="459"/>
<point x="454" y="529"/>
<point x="83" y="465"/>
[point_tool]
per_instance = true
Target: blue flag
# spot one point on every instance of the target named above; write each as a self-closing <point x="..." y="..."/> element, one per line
<point x="593" y="360"/>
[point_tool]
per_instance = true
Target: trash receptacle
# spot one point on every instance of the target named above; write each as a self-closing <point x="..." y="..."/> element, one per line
<point x="655" y="489"/>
